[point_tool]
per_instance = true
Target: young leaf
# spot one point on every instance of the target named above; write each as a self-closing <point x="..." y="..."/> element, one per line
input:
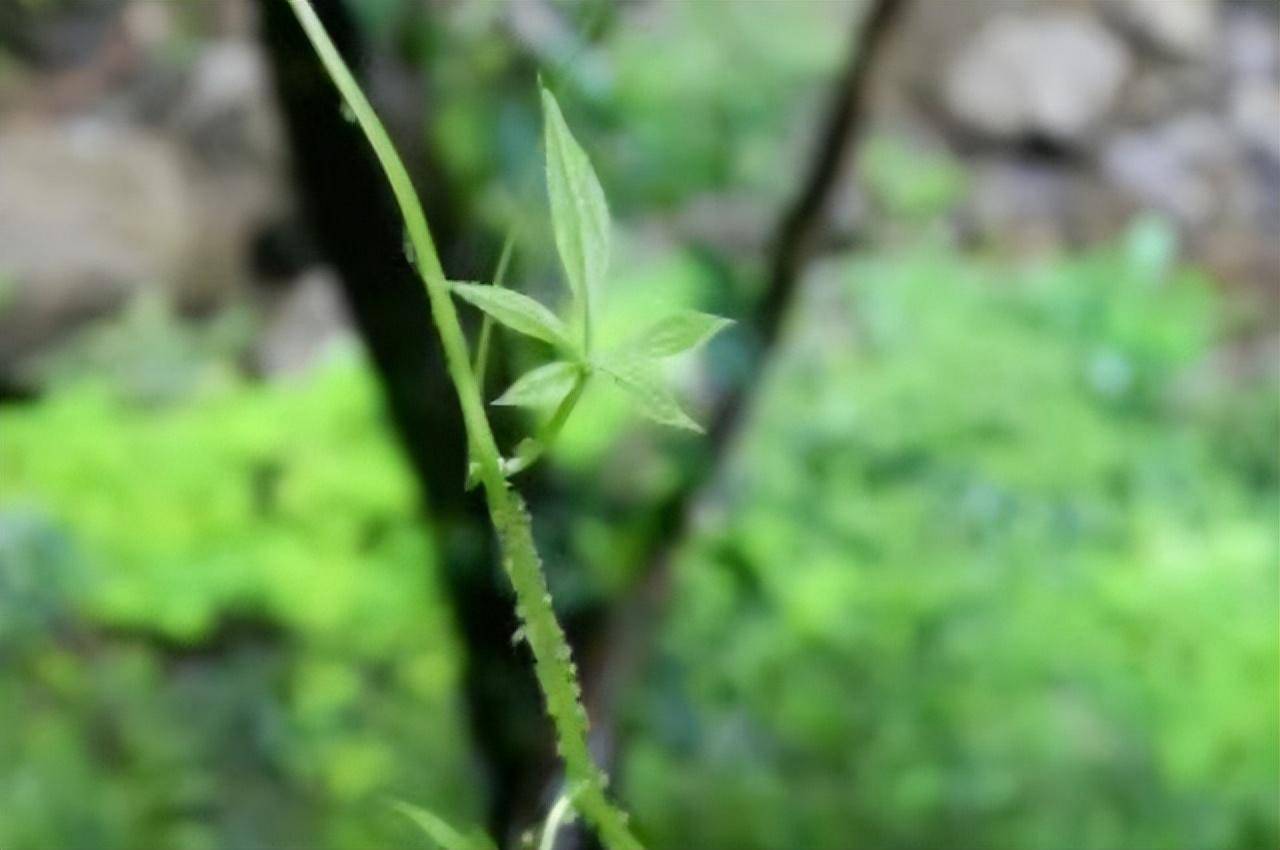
<point x="527" y="451"/>
<point x="480" y="367"/>
<point x="543" y="387"/>
<point x="651" y="398"/>
<point x="486" y="327"/>
<point x="518" y="312"/>
<point x="439" y="830"/>
<point x="676" y="333"/>
<point x="579" y="214"/>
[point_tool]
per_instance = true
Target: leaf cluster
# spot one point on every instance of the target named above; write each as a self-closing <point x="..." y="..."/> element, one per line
<point x="580" y="220"/>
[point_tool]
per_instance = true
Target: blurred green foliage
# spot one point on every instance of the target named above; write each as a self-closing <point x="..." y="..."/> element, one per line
<point x="734" y="95"/>
<point x="146" y="355"/>
<point x="993" y="568"/>
<point x="990" y="572"/>
<point x="729" y="72"/>
<point x="910" y="184"/>
<point x="218" y="624"/>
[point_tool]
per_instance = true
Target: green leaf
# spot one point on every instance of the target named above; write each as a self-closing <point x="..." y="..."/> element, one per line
<point x="439" y="831"/>
<point x="543" y="387"/>
<point x="579" y="214"/>
<point x="676" y="333"/>
<point x="652" y="399"/>
<point x="528" y="450"/>
<point x="518" y="312"/>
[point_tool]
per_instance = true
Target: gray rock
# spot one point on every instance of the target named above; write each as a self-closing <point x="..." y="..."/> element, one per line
<point x="227" y="114"/>
<point x="1181" y="28"/>
<point x="228" y="123"/>
<point x="1177" y="168"/>
<point x="304" y="327"/>
<point x="57" y="36"/>
<point x="88" y="212"/>
<point x="1054" y="75"/>
<point x="1033" y="208"/>
<point x="1016" y="206"/>
<point x="1251" y="43"/>
<point x="1161" y="90"/>
<point x="1255" y="115"/>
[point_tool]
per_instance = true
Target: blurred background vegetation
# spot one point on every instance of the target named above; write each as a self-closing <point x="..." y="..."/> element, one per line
<point x="982" y="550"/>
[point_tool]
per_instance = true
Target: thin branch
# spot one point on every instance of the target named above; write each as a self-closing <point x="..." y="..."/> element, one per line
<point x="637" y="615"/>
<point x="806" y="217"/>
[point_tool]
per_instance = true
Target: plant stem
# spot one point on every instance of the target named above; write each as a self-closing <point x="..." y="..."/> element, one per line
<point x="548" y="433"/>
<point x="553" y="663"/>
<point x="486" y="324"/>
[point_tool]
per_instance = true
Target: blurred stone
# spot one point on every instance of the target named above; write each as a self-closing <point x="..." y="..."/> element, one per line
<point x="226" y="119"/>
<point x="1029" y="208"/>
<point x="304" y="326"/>
<point x="1159" y="90"/>
<point x="1250" y="46"/>
<point x="1181" y="28"/>
<point x="1052" y="76"/>
<point x="1255" y="115"/>
<point x="733" y="224"/>
<point x="88" y="212"/>
<point x="1177" y="168"/>
<point x="149" y="25"/>
<point x="226" y="113"/>
<point x="161" y="176"/>
<point x="56" y="36"/>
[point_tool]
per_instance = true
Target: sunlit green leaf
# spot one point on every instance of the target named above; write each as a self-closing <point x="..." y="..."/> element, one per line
<point x="439" y="830"/>
<point x="653" y="400"/>
<point x="579" y="214"/>
<point x="528" y="450"/>
<point x="543" y="387"/>
<point x="518" y="312"/>
<point x="676" y="333"/>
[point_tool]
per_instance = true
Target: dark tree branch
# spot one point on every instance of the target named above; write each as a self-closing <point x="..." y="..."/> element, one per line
<point x="346" y="203"/>
<point x="805" y="219"/>
<point x="358" y="229"/>
<point x="636" y="616"/>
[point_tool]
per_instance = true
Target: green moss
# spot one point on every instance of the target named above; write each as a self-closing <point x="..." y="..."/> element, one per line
<point x="986" y="576"/>
<point x="245" y="616"/>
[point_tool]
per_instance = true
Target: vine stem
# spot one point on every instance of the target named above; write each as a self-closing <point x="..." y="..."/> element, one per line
<point x="486" y="324"/>
<point x="553" y="662"/>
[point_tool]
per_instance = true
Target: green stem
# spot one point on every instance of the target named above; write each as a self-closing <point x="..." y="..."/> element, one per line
<point x="553" y="663"/>
<point x="486" y="324"/>
<point x="548" y="433"/>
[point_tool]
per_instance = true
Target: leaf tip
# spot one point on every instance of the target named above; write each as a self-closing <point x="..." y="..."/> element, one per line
<point x="550" y="105"/>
